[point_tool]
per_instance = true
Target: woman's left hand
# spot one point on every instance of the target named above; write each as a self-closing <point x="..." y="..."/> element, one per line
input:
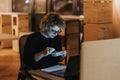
<point x="59" y="53"/>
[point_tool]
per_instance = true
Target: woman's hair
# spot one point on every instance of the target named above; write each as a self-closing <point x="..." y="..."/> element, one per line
<point x="50" y="20"/>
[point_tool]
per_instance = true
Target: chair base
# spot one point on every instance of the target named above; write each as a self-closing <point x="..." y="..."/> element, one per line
<point x="25" y="76"/>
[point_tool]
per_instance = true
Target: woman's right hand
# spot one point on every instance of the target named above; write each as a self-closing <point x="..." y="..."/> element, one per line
<point x="49" y="50"/>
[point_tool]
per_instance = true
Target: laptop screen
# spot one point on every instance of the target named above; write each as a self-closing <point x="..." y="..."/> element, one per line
<point x="71" y="69"/>
<point x="73" y="66"/>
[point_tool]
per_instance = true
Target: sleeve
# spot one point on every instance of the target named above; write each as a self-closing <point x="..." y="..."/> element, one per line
<point x="28" y="53"/>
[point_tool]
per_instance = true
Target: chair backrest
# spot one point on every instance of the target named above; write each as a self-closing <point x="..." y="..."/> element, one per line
<point x="100" y="60"/>
<point x="22" y="41"/>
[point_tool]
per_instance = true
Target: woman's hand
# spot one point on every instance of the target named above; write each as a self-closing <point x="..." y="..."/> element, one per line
<point x="59" y="53"/>
<point x="43" y="53"/>
<point x="49" y="50"/>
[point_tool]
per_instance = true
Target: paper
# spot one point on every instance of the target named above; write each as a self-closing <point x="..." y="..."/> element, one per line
<point x="54" y="68"/>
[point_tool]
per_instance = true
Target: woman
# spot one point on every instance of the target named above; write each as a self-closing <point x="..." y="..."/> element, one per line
<point x="43" y="48"/>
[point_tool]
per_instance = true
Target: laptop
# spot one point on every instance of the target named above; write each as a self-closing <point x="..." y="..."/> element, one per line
<point x="71" y="69"/>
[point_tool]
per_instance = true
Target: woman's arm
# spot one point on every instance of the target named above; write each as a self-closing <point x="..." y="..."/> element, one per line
<point x="43" y="53"/>
<point x="40" y="55"/>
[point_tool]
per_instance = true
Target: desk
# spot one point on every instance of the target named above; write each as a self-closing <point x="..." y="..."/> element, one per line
<point x="45" y="75"/>
<point x="7" y="37"/>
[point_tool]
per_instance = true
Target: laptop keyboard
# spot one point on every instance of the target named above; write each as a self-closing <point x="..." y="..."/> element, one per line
<point x="59" y="72"/>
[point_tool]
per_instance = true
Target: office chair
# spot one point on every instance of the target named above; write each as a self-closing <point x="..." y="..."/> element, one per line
<point x="23" y="71"/>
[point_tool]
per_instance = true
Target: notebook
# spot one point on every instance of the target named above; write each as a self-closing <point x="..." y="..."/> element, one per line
<point x="65" y="70"/>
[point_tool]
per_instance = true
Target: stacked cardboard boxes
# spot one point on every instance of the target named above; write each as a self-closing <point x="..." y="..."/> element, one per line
<point x="98" y="19"/>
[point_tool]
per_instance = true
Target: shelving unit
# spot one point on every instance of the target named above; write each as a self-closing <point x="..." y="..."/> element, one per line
<point x="5" y="27"/>
<point x="72" y="36"/>
<point x="13" y="24"/>
<point x="20" y="24"/>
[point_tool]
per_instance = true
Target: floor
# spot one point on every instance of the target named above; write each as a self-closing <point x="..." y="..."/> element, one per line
<point x="9" y="64"/>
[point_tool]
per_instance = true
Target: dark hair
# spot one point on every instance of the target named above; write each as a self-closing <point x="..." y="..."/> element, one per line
<point x="50" y="20"/>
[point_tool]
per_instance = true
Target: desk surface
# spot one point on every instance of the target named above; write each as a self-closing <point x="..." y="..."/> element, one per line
<point x="7" y="37"/>
<point x="72" y="17"/>
<point x="45" y="75"/>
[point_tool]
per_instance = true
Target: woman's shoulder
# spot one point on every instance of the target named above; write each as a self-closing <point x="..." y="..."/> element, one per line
<point x="35" y="35"/>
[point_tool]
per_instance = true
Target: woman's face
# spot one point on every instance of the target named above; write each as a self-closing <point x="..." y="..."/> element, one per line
<point x="54" y="31"/>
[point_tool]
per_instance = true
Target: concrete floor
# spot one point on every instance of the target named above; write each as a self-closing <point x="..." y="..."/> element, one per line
<point x="9" y="64"/>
